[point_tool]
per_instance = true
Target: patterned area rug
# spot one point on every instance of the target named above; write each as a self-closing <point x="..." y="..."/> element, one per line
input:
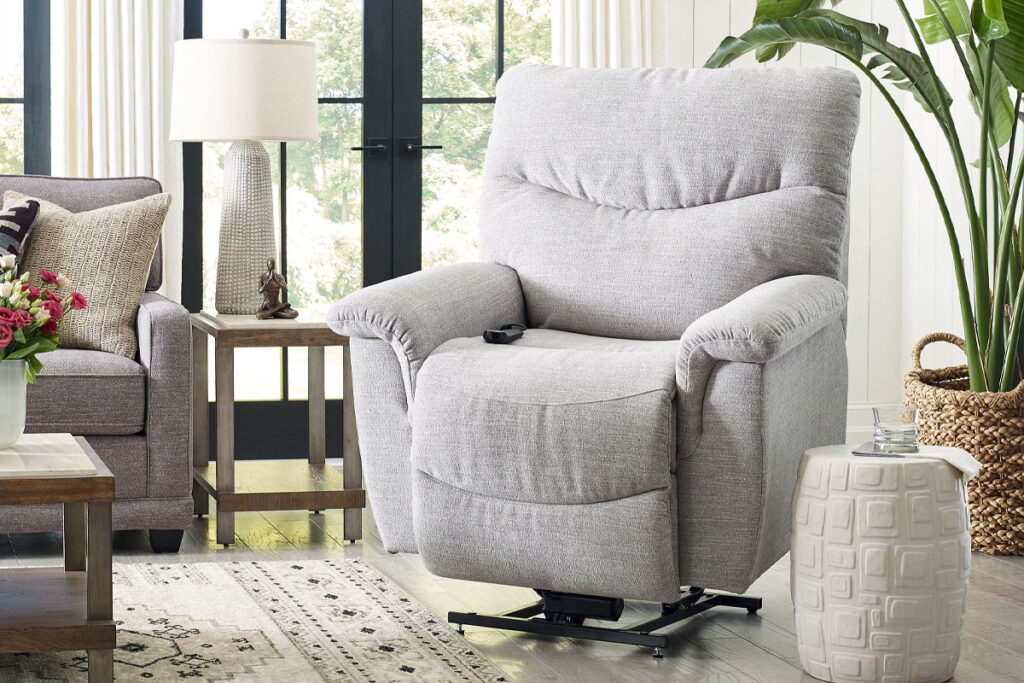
<point x="286" y="622"/>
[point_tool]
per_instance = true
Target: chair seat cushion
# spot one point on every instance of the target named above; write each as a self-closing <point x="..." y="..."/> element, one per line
<point x="556" y="417"/>
<point x="87" y="392"/>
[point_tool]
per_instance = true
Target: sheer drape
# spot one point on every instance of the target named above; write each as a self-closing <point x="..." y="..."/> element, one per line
<point x="111" y="94"/>
<point x="601" y="33"/>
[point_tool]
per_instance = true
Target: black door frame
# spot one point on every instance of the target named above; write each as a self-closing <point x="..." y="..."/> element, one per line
<point x="378" y="122"/>
<point x="406" y="228"/>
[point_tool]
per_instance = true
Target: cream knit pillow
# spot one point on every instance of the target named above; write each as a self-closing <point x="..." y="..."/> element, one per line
<point x="106" y="255"/>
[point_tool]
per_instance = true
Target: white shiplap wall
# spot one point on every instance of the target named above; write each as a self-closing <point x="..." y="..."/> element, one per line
<point x="686" y="32"/>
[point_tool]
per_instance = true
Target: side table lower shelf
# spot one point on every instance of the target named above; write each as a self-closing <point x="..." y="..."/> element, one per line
<point x="280" y="485"/>
<point x="45" y="610"/>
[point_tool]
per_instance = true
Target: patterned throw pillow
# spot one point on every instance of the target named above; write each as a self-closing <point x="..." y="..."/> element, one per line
<point x="15" y="226"/>
<point x="106" y="252"/>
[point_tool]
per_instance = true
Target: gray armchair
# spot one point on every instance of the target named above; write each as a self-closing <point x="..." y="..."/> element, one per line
<point x="135" y="413"/>
<point x="676" y="242"/>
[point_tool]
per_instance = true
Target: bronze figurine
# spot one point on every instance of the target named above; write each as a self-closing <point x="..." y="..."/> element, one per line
<point x="272" y="284"/>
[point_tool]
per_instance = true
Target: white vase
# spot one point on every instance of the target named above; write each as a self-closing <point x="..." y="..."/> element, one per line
<point x="12" y="401"/>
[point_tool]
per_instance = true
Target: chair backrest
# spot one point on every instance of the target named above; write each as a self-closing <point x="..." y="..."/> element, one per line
<point x="632" y="201"/>
<point x="86" y="194"/>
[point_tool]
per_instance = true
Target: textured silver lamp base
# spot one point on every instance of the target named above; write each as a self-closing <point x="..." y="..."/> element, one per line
<point x="246" y="228"/>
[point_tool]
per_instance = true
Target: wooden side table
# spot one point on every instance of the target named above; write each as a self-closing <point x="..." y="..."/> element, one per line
<point x="70" y="608"/>
<point x="270" y="484"/>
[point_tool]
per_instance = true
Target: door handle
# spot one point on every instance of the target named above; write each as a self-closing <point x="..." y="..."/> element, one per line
<point x="413" y="145"/>
<point x="374" y="147"/>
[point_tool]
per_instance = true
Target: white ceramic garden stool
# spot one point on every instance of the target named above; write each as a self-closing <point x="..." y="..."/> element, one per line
<point x="879" y="564"/>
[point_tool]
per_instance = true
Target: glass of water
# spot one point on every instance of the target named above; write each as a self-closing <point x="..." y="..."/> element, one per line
<point x="895" y="429"/>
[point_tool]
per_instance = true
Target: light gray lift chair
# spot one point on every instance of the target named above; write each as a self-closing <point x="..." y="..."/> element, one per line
<point x="676" y="243"/>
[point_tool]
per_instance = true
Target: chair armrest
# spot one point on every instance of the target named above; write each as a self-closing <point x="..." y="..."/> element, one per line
<point x="417" y="313"/>
<point x="758" y="326"/>
<point x="165" y="352"/>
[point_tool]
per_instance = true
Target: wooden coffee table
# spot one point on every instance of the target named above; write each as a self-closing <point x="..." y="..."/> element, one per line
<point x="252" y="485"/>
<point x="70" y="608"/>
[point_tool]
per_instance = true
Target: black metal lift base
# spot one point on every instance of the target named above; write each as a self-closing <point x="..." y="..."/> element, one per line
<point x="563" y="614"/>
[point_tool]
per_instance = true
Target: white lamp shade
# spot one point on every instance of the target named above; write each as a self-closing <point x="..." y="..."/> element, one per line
<point x="244" y="89"/>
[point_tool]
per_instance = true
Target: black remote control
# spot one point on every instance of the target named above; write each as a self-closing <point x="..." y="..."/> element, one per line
<point x="506" y="335"/>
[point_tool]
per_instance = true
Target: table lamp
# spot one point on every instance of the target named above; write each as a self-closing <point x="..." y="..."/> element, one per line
<point x="245" y="91"/>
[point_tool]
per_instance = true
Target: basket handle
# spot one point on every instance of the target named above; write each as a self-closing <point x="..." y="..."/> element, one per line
<point x="956" y="341"/>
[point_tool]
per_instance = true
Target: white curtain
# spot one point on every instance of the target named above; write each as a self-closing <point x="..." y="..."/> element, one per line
<point x="601" y="33"/>
<point x="111" y="93"/>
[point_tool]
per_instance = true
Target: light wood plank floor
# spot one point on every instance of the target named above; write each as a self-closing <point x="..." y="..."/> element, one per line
<point x="719" y="645"/>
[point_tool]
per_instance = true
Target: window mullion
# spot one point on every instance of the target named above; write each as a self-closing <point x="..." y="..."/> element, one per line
<point x="499" y="53"/>
<point x="36" y="93"/>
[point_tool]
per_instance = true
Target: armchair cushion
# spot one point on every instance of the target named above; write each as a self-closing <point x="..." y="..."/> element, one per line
<point x="758" y="326"/>
<point x="417" y="313"/>
<point x="556" y="417"/>
<point x="87" y="392"/>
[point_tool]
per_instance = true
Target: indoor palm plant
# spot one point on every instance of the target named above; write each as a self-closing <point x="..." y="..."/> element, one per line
<point x="981" y="406"/>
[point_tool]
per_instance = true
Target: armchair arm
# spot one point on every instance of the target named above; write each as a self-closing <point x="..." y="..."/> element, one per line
<point x="756" y="327"/>
<point x="165" y="352"/>
<point x="417" y="313"/>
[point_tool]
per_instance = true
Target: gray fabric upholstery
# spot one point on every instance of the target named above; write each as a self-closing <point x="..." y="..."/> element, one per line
<point x="85" y="194"/>
<point x="623" y="234"/>
<point x="87" y="392"/>
<point x="589" y="406"/>
<point x="559" y="436"/>
<point x="136" y="413"/>
<point x="758" y="326"/>
<point x="624" y="547"/>
<point x="419" y="312"/>
<point x="385" y="439"/>
<point x="758" y="420"/>
<point x="676" y="241"/>
<point x="165" y="352"/>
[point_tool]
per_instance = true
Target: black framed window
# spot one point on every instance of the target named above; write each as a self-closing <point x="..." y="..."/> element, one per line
<point x="25" y="88"/>
<point x="467" y="46"/>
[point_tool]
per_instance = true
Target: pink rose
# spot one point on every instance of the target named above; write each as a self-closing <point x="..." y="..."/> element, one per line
<point x="6" y="316"/>
<point x="62" y="281"/>
<point x="33" y="292"/>
<point x="22" y="319"/>
<point x="48" y="276"/>
<point x="6" y="336"/>
<point x="53" y="308"/>
<point x="50" y="327"/>
<point x="52" y="296"/>
<point x="78" y="301"/>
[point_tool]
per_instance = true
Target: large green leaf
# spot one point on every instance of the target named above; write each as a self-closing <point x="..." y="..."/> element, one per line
<point x="988" y="19"/>
<point x="773" y="10"/>
<point x="905" y="69"/>
<point x="1010" y="48"/>
<point x="819" y="30"/>
<point x="957" y="13"/>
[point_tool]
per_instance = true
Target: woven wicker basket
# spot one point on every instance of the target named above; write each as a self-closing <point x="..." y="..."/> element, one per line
<point x="990" y="426"/>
